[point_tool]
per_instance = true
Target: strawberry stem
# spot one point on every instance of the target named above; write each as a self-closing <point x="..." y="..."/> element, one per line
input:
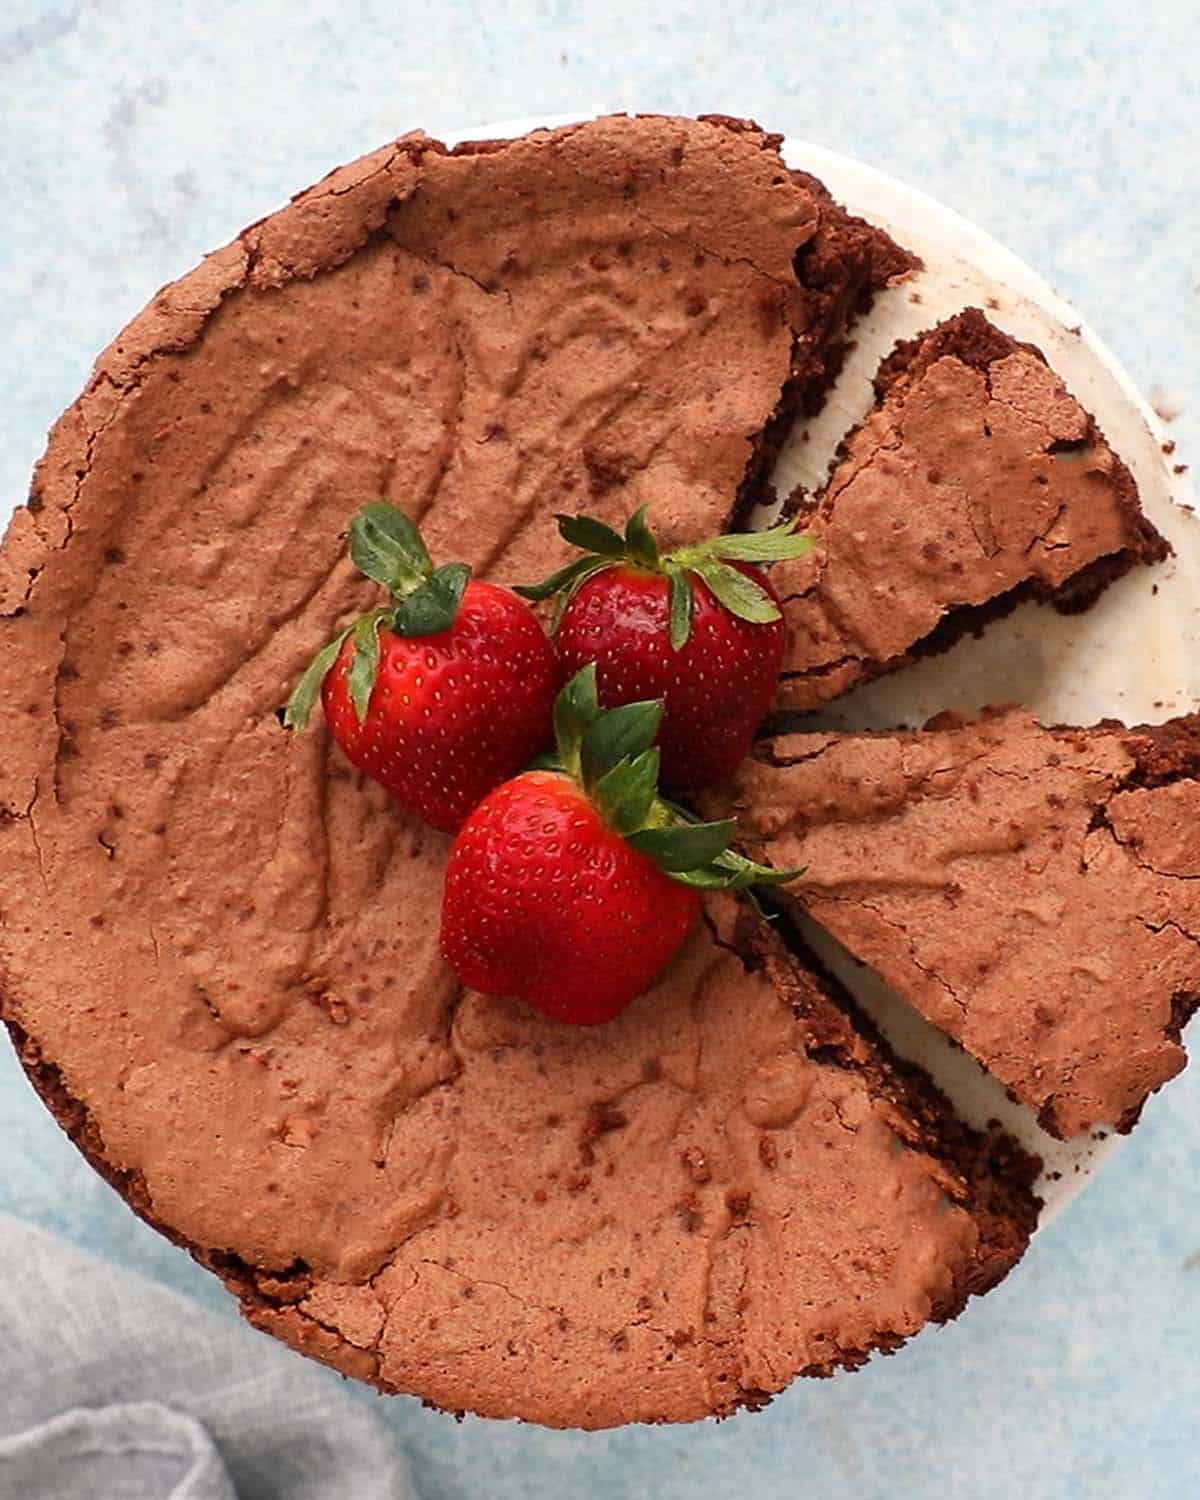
<point x="387" y="548"/>
<point x="739" y="593"/>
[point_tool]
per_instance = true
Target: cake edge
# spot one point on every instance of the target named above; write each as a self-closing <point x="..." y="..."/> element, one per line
<point x="997" y="1174"/>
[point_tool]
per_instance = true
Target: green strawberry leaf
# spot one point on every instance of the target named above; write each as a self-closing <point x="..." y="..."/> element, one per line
<point x="364" y="663"/>
<point x="731" y="871"/>
<point x="433" y="604"/>
<point x="639" y="541"/>
<point x="685" y="846"/>
<point x="620" y="732"/>
<point x="387" y="547"/>
<point x="740" y="871"/>
<point x="703" y="878"/>
<point x="555" y="581"/>
<point x="563" y="583"/>
<point x="602" y="547"/>
<point x="304" y="694"/>
<point x="575" y="709"/>
<point x="727" y="870"/>
<point x="626" y="794"/>
<point x="590" y="535"/>
<point x="760" y="546"/>
<point x="680" y="607"/>
<point x="739" y="593"/>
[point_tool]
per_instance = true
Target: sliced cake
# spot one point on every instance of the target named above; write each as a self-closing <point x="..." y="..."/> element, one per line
<point x="218" y="946"/>
<point x="1033" y="892"/>
<point x="977" y="481"/>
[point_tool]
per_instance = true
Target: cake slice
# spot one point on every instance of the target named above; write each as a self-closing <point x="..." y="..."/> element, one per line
<point x="1033" y="892"/>
<point x="977" y="481"/>
<point x="674" y="1215"/>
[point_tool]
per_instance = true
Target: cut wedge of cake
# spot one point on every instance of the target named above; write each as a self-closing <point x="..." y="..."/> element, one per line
<point x="977" y="481"/>
<point x="656" y="1220"/>
<point x="1033" y="892"/>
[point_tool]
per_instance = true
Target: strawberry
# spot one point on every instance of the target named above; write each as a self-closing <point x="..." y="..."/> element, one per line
<point x="700" y="628"/>
<point x="441" y="694"/>
<point x="571" y="886"/>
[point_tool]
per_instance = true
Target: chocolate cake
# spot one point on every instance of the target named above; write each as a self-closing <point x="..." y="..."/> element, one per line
<point x="218" y="947"/>
<point x="977" y="481"/>
<point x="1031" y="891"/>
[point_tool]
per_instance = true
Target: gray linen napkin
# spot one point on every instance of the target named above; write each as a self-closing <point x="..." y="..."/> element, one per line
<point x="113" y="1388"/>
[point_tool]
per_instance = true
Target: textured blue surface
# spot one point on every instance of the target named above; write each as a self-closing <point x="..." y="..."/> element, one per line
<point x="134" y="137"/>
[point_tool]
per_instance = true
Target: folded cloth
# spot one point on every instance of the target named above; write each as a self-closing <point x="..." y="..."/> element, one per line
<point x="123" y="1452"/>
<point x="112" y="1388"/>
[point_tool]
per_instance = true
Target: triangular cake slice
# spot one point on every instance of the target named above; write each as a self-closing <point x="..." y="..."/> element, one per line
<point x="977" y="481"/>
<point x="1033" y="892"/>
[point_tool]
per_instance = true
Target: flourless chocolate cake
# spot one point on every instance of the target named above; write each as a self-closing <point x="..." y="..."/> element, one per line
<point x="977" y="481"/>
<point x="218" y="948"/>
<point x="1033" y="892"/>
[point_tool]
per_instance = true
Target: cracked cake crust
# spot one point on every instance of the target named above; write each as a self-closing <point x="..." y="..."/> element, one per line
<point x="976" y="482"/>
<point x="1032" y="891"/>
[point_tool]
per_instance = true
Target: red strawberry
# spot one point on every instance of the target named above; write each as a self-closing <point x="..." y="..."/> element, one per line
<point x="545" y="902"/>
<point x="442" y="694"/>
<point x="700" y="628"/>
<point x="570" y="887"/>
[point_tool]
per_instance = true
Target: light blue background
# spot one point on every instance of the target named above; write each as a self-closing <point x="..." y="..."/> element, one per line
<point x="134" y="136"/>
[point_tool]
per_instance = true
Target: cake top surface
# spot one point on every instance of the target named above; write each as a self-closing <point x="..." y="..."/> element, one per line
<point x="1031" y="891"/>
<point x="976" y="479"/>
<point x="219" y="945"/>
